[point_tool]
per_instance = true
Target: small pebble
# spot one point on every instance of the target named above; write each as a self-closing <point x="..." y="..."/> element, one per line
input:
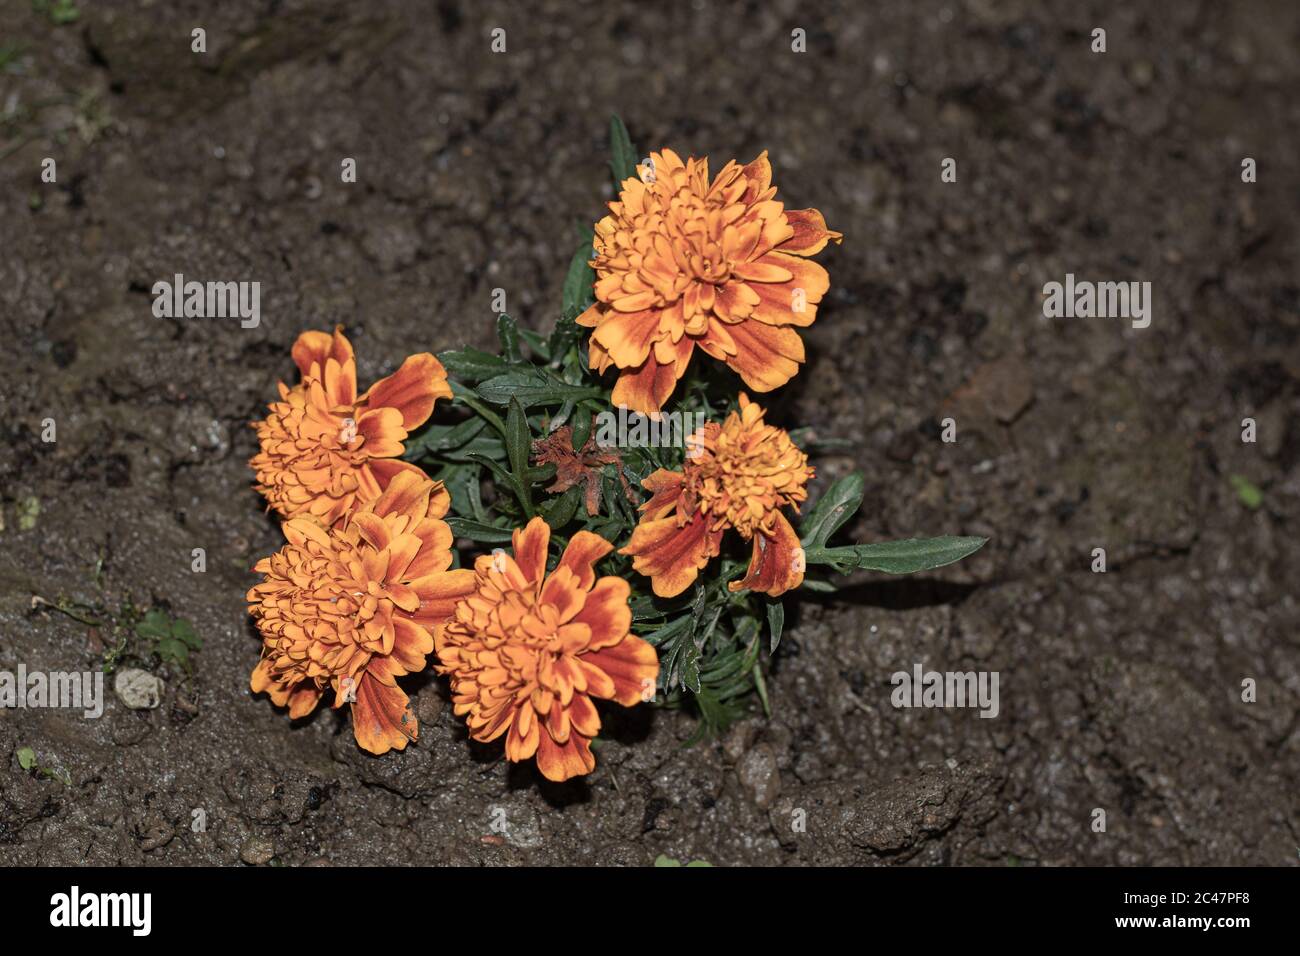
<point x="138" y="689"/>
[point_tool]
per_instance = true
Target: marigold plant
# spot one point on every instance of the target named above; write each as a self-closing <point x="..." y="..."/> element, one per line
<point x="324" y="449"/>
<point x="349" y="609"/>
<point x="608" y="596"/>
<point x="739" y="475"/>
<point x="528" y="650"/>
<point x="684" y="261"/>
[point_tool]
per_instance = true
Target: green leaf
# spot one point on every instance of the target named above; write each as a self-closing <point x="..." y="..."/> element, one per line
<point x="1247" y="492"/>
<point x="560" y="511"/>
<point x="578" y="292"/>
<point x="518" y="445"/>
<point x="622" y="155"/>
<point x="26" y="758"/>
<point x="838" y="505"/>
<point x="532" y="388"/>
<point x="156" y="625"/>
<point x="183" y="631"/>
<point x="478" y="531"/>
<point x="471" y="365"/>
<point x="508" y="336"/>
<point x="436" y="438"/>
<point x="775" y="622"/>
<point x="662" y="860"/>
<point x="170" y="649"/>
<point x="896" y="557"/>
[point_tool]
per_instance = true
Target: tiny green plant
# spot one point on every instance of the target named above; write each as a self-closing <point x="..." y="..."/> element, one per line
<point x="172" y="639"/>
<point x="27" y="761"/>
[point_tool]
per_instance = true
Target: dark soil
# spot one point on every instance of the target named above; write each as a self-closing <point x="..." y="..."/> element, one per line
<point x="1120" y="691"/>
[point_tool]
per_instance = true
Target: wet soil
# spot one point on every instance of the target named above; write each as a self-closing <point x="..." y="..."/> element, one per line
<point x="1119" y="691"/>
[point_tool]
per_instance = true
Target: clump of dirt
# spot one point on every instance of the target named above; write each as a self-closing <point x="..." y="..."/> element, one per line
<point x="1119" y="691"/>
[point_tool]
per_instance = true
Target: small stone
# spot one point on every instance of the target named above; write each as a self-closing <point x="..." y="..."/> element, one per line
<point x="758" y="774"/>
<point x="138" y="689"/>
<point x="257" y="850"/>
<point x="428" y="707"/>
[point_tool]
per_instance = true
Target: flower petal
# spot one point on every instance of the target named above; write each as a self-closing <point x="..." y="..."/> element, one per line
<point x="530" y="549"/>
<point x="671" y="555"/>
<point x="775" y="566"/>
<point x="581" y="554"/>
<point x="766" y="356"/>
<point x="382" y="718"/>
<point x="632" y="667"/>
<point x="560" y="762"/>
<point x="412" y="389"/>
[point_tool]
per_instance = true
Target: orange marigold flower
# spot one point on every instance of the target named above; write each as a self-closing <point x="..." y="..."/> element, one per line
<point x="737" y="475"/>
<point x="527" y="651"/>
<point x="352" y="607"/>
<point x="682" y="261"/>
<point x="324" y="450"/>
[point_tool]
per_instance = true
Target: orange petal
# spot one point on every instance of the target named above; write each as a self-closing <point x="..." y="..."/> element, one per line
<point x="580" y="556"/>
<point x="412" y="389"/>
<point x="407" y="493"/>
<point x="559" y="762"/>
<point x="303" y="700"/>
<point x="530" y="549"/>
<point x="440" y="593"/>
<point x="665" y="489"/>
<point x="583" y="716"/>
<point x="672" y="555"/>
<point x="382" y="718"/>
<point x="766" y="356"/>
<point x="412" y="645"/>
<point x="607" y="612"/>
<point x="646" y="389"/>
<point x="521" y="741"/>
<point x="759" y="174"/>
<point x="315" y="348"/>
<point x="775" y="566"/>
<point x="627" y="337"/>
<point x="810" y="233"/>
<point x="631" y="664"/>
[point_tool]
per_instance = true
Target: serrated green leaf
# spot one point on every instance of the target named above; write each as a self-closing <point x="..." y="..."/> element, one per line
<point x="441" y="438"/>
<point x="775" y="622"/>
<point x="838" y="505"/>
<point x="518" y="444"/>
<point x="532" y="388"/>
<point x="508" y="336"/>
<point x="622" y="155"/>
<point x="471" y="365"/>
<point x="897" y="557"/>
<point x="478" y="531"/>
<point x="578" y="293"/>
<point x="560" y="511"/>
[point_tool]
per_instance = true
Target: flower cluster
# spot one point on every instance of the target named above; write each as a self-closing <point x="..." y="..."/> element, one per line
<point x="535" y="640"/>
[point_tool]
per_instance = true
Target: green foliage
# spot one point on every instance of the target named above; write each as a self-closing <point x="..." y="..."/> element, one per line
<point x="710" y="639"/>
<point x="1248" y="492"/>
<point x="60" y="12"/>
<point x="170" y="638"/>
